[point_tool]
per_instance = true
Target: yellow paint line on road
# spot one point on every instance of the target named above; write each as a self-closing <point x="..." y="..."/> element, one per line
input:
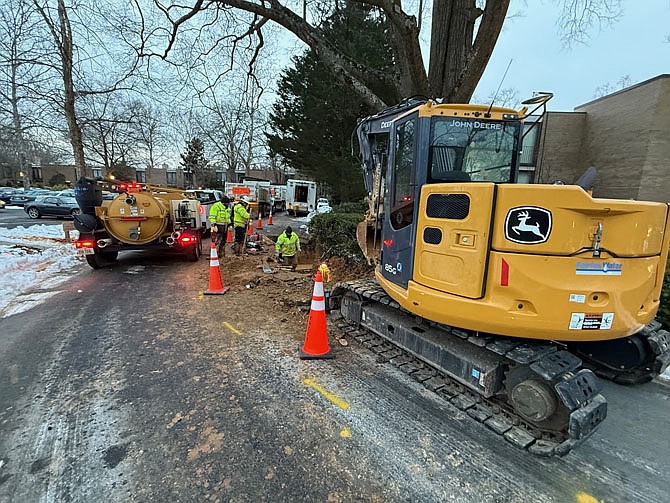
<point x="327" y="394"/>
<point x="231" y="328"/>
<point x="585" y="498"/>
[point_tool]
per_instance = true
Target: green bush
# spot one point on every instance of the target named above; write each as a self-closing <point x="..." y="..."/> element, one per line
<point x="359" y="207"/>
<point x="335" y="234"/>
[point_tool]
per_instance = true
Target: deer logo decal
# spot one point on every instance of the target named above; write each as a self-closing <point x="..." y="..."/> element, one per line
<point x="528" y="225"/>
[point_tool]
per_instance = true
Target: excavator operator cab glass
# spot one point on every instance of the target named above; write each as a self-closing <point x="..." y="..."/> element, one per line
<point x="463" y="150"/>
<point x="402" y="197"/>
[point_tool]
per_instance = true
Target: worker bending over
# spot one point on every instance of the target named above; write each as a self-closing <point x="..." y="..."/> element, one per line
<point x="288" y="244"/>
<point x="219" y="218"/>
<point x="240" y="221"/>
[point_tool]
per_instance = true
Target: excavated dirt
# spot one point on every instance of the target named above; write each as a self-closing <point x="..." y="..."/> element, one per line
<point x="277" y="301"/>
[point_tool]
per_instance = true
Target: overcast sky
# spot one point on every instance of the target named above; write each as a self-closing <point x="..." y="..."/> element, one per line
<point x="636" y="45"/>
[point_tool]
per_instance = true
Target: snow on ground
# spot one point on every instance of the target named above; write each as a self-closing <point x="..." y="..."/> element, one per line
<point x="34" y="261"/>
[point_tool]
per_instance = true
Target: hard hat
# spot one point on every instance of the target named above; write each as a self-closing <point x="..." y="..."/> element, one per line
<point x="245" y="199"/>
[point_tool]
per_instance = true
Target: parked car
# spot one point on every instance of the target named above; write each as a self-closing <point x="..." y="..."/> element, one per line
<point x="52" y="206"/>
<point x="66" y="193"/>
<point x="2" y="204"/>
<point x="28" y="196"/>
<point x="6" y="193"/>
<point x="323" y="206"/>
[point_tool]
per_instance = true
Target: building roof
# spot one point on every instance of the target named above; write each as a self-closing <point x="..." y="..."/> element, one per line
<point x="630" y="88"/>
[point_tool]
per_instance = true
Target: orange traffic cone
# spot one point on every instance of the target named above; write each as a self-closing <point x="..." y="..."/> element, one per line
<point x="215" y="282"/>
<point x="316" y="339"/>
<point x="229" y="237"/>
<point x="270" y="218"/>
<point x="260" y="222"/>
<point x="250" y="232"/>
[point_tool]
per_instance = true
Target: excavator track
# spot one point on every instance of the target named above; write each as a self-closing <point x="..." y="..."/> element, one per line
<point x="652" y="344"/>
<point x="511" y="380"/>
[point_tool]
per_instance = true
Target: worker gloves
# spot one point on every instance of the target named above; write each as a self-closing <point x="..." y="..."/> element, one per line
<point x="214" y="228"/>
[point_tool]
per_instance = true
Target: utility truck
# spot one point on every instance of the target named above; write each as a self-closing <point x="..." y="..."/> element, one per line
<point x="141" y="217"/>
<point x="300" y="196"/>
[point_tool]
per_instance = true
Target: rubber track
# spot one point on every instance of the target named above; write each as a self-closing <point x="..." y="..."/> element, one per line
<point x="658" y="340"/>
<point x="497" y="417"/>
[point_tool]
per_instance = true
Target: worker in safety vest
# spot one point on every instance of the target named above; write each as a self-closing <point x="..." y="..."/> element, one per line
<point x="240" y="222"/>
<point x="219" y="218"/>
<point x="288" y="244"/>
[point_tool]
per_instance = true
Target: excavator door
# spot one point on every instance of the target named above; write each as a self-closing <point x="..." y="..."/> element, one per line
<point x="453" y="237"/>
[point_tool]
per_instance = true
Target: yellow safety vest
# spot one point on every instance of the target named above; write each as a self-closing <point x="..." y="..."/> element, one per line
<point x="288" y="246"/>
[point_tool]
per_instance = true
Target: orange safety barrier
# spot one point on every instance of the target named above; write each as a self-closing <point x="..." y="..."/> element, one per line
<point x="316" y="339"/>
<point x="215" y="281"/>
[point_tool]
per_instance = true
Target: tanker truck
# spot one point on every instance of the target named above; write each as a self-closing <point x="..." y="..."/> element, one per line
<point x="141" y="217"/>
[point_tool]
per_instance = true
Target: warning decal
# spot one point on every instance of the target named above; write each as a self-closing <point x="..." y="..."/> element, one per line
<point x="591" y="321"/>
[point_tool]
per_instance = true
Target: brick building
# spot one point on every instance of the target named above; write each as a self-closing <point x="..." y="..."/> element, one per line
<point x="625" y="135"/>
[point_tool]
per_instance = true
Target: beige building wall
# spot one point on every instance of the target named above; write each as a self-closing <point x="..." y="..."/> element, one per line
<point x="560" y="150"/>
<point x="627" y="141"/>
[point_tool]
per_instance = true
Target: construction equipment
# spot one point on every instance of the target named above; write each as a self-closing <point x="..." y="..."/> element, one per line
<point x="141" y="217"/>
<point x="496" y="293"/>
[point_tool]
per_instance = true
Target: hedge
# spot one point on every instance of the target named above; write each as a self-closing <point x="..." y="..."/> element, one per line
<point x="335" y="234"/>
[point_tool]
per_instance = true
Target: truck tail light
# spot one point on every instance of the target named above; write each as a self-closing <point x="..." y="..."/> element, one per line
<point x="201" y="209"/>
<point x="84" y="243"/>
<point x="187" y="239"/>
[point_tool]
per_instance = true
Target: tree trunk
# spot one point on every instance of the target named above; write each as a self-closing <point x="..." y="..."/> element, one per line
<point x="457" y="62"/>
<point x="65" y="46"/>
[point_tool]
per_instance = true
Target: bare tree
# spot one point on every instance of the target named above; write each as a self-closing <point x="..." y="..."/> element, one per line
<point x="20" y="73"/>
<point x="608" y="88"/>
<point x="463" y="35"/>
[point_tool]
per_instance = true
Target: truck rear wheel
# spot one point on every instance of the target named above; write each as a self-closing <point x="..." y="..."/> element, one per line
<point x="194" y="252"/>
<point x="101" y="259"/>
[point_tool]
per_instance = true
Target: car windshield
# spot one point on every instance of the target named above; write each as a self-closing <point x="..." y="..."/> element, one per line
<point x="469" y="149"/>
<point x="204" y="197"/>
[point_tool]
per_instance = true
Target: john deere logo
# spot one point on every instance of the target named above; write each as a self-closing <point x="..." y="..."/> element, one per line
<point x="528" y="225"/>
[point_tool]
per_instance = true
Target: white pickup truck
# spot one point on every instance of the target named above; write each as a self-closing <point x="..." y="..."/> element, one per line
<point x="207" y="199"/>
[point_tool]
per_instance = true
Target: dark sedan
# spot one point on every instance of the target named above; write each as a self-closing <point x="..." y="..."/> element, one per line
<point x="6" y="193"/>
<point x="28" y="196"/>
<point x="52" y="206"/>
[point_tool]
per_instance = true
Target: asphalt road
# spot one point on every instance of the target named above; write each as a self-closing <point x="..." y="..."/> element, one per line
<point x="129" y="385"/>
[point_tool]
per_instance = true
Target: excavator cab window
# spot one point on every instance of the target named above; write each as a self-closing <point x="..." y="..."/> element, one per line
<point x="472" y="150"/>
<point x="402" y="199"/>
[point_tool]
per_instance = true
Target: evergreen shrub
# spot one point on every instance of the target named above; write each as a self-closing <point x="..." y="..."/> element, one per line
<point x="335" y="234"/>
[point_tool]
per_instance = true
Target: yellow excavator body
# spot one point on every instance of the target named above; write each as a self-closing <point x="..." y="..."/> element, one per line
<point x="468" y="274"/>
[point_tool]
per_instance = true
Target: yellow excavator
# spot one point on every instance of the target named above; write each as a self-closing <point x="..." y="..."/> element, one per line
<point x="506" y="298"/>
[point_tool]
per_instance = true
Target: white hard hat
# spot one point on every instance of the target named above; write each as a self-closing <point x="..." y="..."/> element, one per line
<point x="245" y="199"/>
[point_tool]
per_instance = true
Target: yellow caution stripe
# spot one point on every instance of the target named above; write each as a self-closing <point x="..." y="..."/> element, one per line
<point x="231" y="328"/>
<point x="327" y="394"/>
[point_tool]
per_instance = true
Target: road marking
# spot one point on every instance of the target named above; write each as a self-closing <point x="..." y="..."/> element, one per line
<point x="345" y="433"/>
<point x="327" y="394"/>
<point x="585" y="498"/>
<point x="231" y="328"/>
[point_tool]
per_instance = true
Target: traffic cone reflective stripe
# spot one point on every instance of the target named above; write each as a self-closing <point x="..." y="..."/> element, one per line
<point x="260" y="222"/>
<point x="270" y="218"/>
<point x="316" y="338"/>
<point x="215" y="281"/>
<point x="229" y="237"/>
